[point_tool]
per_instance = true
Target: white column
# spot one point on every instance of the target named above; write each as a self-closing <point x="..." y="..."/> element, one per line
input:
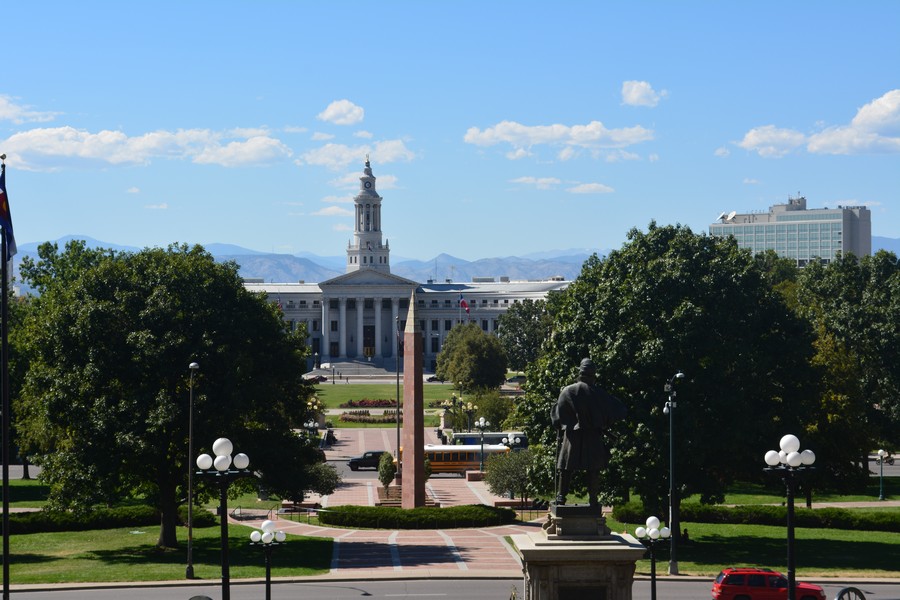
<point x="395" y="314"/>
<point x="342" y="328"/>
<point x="326" y="329"/>
<point x="360" y="304"/>
<point x="377" y="305"/>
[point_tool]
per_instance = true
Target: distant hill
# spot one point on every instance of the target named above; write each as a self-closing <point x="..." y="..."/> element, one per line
<point x="308" y="267"/>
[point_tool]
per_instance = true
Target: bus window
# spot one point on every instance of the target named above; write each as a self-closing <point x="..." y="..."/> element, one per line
<point x="454" y="456"/>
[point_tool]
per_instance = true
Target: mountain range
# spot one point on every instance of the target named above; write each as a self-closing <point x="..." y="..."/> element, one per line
<point x="287" y="268"/>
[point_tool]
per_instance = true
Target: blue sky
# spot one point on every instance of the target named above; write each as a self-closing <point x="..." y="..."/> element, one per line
<point x="494" y="128"/>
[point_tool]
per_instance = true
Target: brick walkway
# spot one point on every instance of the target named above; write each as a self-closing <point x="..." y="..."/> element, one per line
<point x="469" y="552"/>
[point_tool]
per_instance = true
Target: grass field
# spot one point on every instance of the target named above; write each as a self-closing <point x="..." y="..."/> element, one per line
<point x="333" y="395"/>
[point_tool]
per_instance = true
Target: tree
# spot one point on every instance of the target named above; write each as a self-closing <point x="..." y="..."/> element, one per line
<point x="669" y="301"/>
<point x="471" y="359"/>
<point x="509" y="472"/>
<point x="104" y="408"/>
<point x="522" y="330"/>
<point x="387" y="470"/>
<point x="854" y="306"/>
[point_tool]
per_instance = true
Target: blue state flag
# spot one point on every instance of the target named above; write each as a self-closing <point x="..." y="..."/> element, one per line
<point x="6" y="217"/>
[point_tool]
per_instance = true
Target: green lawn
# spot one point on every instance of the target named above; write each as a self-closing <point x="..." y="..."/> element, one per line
<point x="750" y="493"/>
<point x="131" y="555"/>
<point x="820" y="552"/>
<point x="335" y="395"/>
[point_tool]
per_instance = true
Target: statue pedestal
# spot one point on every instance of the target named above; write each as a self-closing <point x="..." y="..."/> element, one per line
<point x="576" y="558"/>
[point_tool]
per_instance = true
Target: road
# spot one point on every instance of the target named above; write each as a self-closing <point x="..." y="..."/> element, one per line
<point x="436" y="589"/>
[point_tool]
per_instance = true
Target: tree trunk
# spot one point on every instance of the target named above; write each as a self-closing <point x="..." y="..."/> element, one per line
<point x="25" y="473"/>
<point x="168" y="516"/>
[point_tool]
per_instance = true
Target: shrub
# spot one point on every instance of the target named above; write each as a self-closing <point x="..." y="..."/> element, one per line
<point x="830" y="518"/>
<point x="426" y="517"/>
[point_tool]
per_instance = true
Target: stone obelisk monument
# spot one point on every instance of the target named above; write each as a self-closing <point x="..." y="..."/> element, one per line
<point x="413" y="460"/>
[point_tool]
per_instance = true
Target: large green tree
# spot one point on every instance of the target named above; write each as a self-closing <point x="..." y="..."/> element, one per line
<point x="472" y="359"/>
<point x="104" y="408"/>
<point x="854" y="306"/>
<point x="670" y="300"/>
<point x="523" y="328"/>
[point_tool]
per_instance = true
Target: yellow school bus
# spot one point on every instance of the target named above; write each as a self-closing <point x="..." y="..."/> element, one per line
<point x="459" y="458"/>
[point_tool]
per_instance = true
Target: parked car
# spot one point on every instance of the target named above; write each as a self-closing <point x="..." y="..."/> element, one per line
<point x="433" y="378"/>
<point x="317" y="378"/>
<point x="516" y="380"/>
<point x="366" y="460"/>
<point x="751" y="583"/>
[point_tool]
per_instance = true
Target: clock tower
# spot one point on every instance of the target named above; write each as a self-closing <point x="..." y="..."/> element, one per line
<point x="366" y="250"/>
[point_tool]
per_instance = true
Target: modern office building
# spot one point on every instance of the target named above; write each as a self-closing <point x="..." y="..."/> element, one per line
<point x="802" y="234"/>
<point x="360" y="315"/>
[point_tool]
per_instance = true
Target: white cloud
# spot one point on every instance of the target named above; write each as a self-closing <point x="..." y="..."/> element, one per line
<point x="722" y="152"/>
<point x="771" y="142"/>
<point x="10" y="111"/>
<point x="247" y="132"/>
<point x="566" y="153"/>
<point x="363" y="134"/>
<point x="54" y="148"/>
<point x="591" y="188"/>
<point x="641" y="93"/>
<point x="522" y="138"/>
<point x="653" y="157"/>
<point x="321" y="137"/>
<point x="342" y="112"/>
<point x="133" y="190"/>
<point x="517" y="154"/>
<point x="620" y="155"/>
<point x="162" y="206"/>
<point x="874" y="129"/>
<point x="333" y="211"/>
<point x="337" y="199"/>
<point x="338" y="156"/>
<point x="750" y="181"/>
<point x="295" y="129"/>
<point x="541" y="183"/>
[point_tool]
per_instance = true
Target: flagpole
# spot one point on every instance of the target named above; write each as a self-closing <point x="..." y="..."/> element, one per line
<point x="4" y="374"/>
<point x="4" y="382"/>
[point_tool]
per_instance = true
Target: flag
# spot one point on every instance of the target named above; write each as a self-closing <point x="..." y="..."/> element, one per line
<point x="463" y="303"/>
<point x="6" y="216"/>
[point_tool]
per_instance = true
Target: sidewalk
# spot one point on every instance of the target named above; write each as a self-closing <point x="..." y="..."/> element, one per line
<point x="359" y="554"/>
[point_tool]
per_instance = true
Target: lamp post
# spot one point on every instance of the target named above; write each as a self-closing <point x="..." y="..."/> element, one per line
<point x="789" y="464"/>
<point x="189" y="570"/>
<point x="512" y="442"/>
<point x="397" y="451"/>
<point x="267" y="539"/>
<point x="481" y="425"/>
<point x="470" y="409"/>
<point x="880" y="461"/>
<point x="220" y="469"/>
<point x="649" y="536"/>
<point x="669" y="409"/>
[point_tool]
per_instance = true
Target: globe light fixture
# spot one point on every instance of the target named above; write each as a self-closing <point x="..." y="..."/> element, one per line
<point x="267" y="539"/>
<point x="649" y="536"/>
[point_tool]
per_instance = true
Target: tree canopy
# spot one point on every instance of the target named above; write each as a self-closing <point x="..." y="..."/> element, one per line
<point x="104" y="408"/>
<point x="523" y="328"/>
<point x="670" y="300"/>
<point x="472" y="359"/>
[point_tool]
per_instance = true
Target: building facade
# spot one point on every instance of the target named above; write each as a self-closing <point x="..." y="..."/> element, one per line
<point x="360" y="315"/>
<point x="798" y="233"/>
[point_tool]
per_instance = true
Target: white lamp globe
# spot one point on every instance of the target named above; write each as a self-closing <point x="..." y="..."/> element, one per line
<point x="267" y="537"/>
<point x="652" y="523"/>
<point x="268" y="526"/>
<point x="793" y="459"/>
<point x="654" y="534"/>
<point x="279" y="536"/>
<point x="807" y="457"/>
<point x="241" y="461"/>
<point x="222" y="447"/>
<point x="222" y="462"/>
<point x="772" y="458"/>
<point x="255" y="536"/>
<point x="782" y="457"/>
<point x="790" y="443"/>
<point x="881" y="453"/>
<point x="640" y="532"/>
<point x="204" y="462"/>
<point x="665" y="532"/>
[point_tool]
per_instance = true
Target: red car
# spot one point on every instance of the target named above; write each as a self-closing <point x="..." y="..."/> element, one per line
<point x="750" y="583"/>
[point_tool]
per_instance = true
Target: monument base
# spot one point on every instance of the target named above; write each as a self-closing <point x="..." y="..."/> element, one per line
<point x="576" y="557"/>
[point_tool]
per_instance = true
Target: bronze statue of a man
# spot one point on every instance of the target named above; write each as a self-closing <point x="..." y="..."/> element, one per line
<point x="581" y="415"/>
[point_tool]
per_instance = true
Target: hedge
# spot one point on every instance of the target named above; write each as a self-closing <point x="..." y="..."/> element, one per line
<point x="756" y="514"/>
<point x="45" y="521"/>
<point x="426" y="517"/>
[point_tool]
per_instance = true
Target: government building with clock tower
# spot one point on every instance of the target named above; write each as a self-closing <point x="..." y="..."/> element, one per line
<point x="359" y="317"/>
